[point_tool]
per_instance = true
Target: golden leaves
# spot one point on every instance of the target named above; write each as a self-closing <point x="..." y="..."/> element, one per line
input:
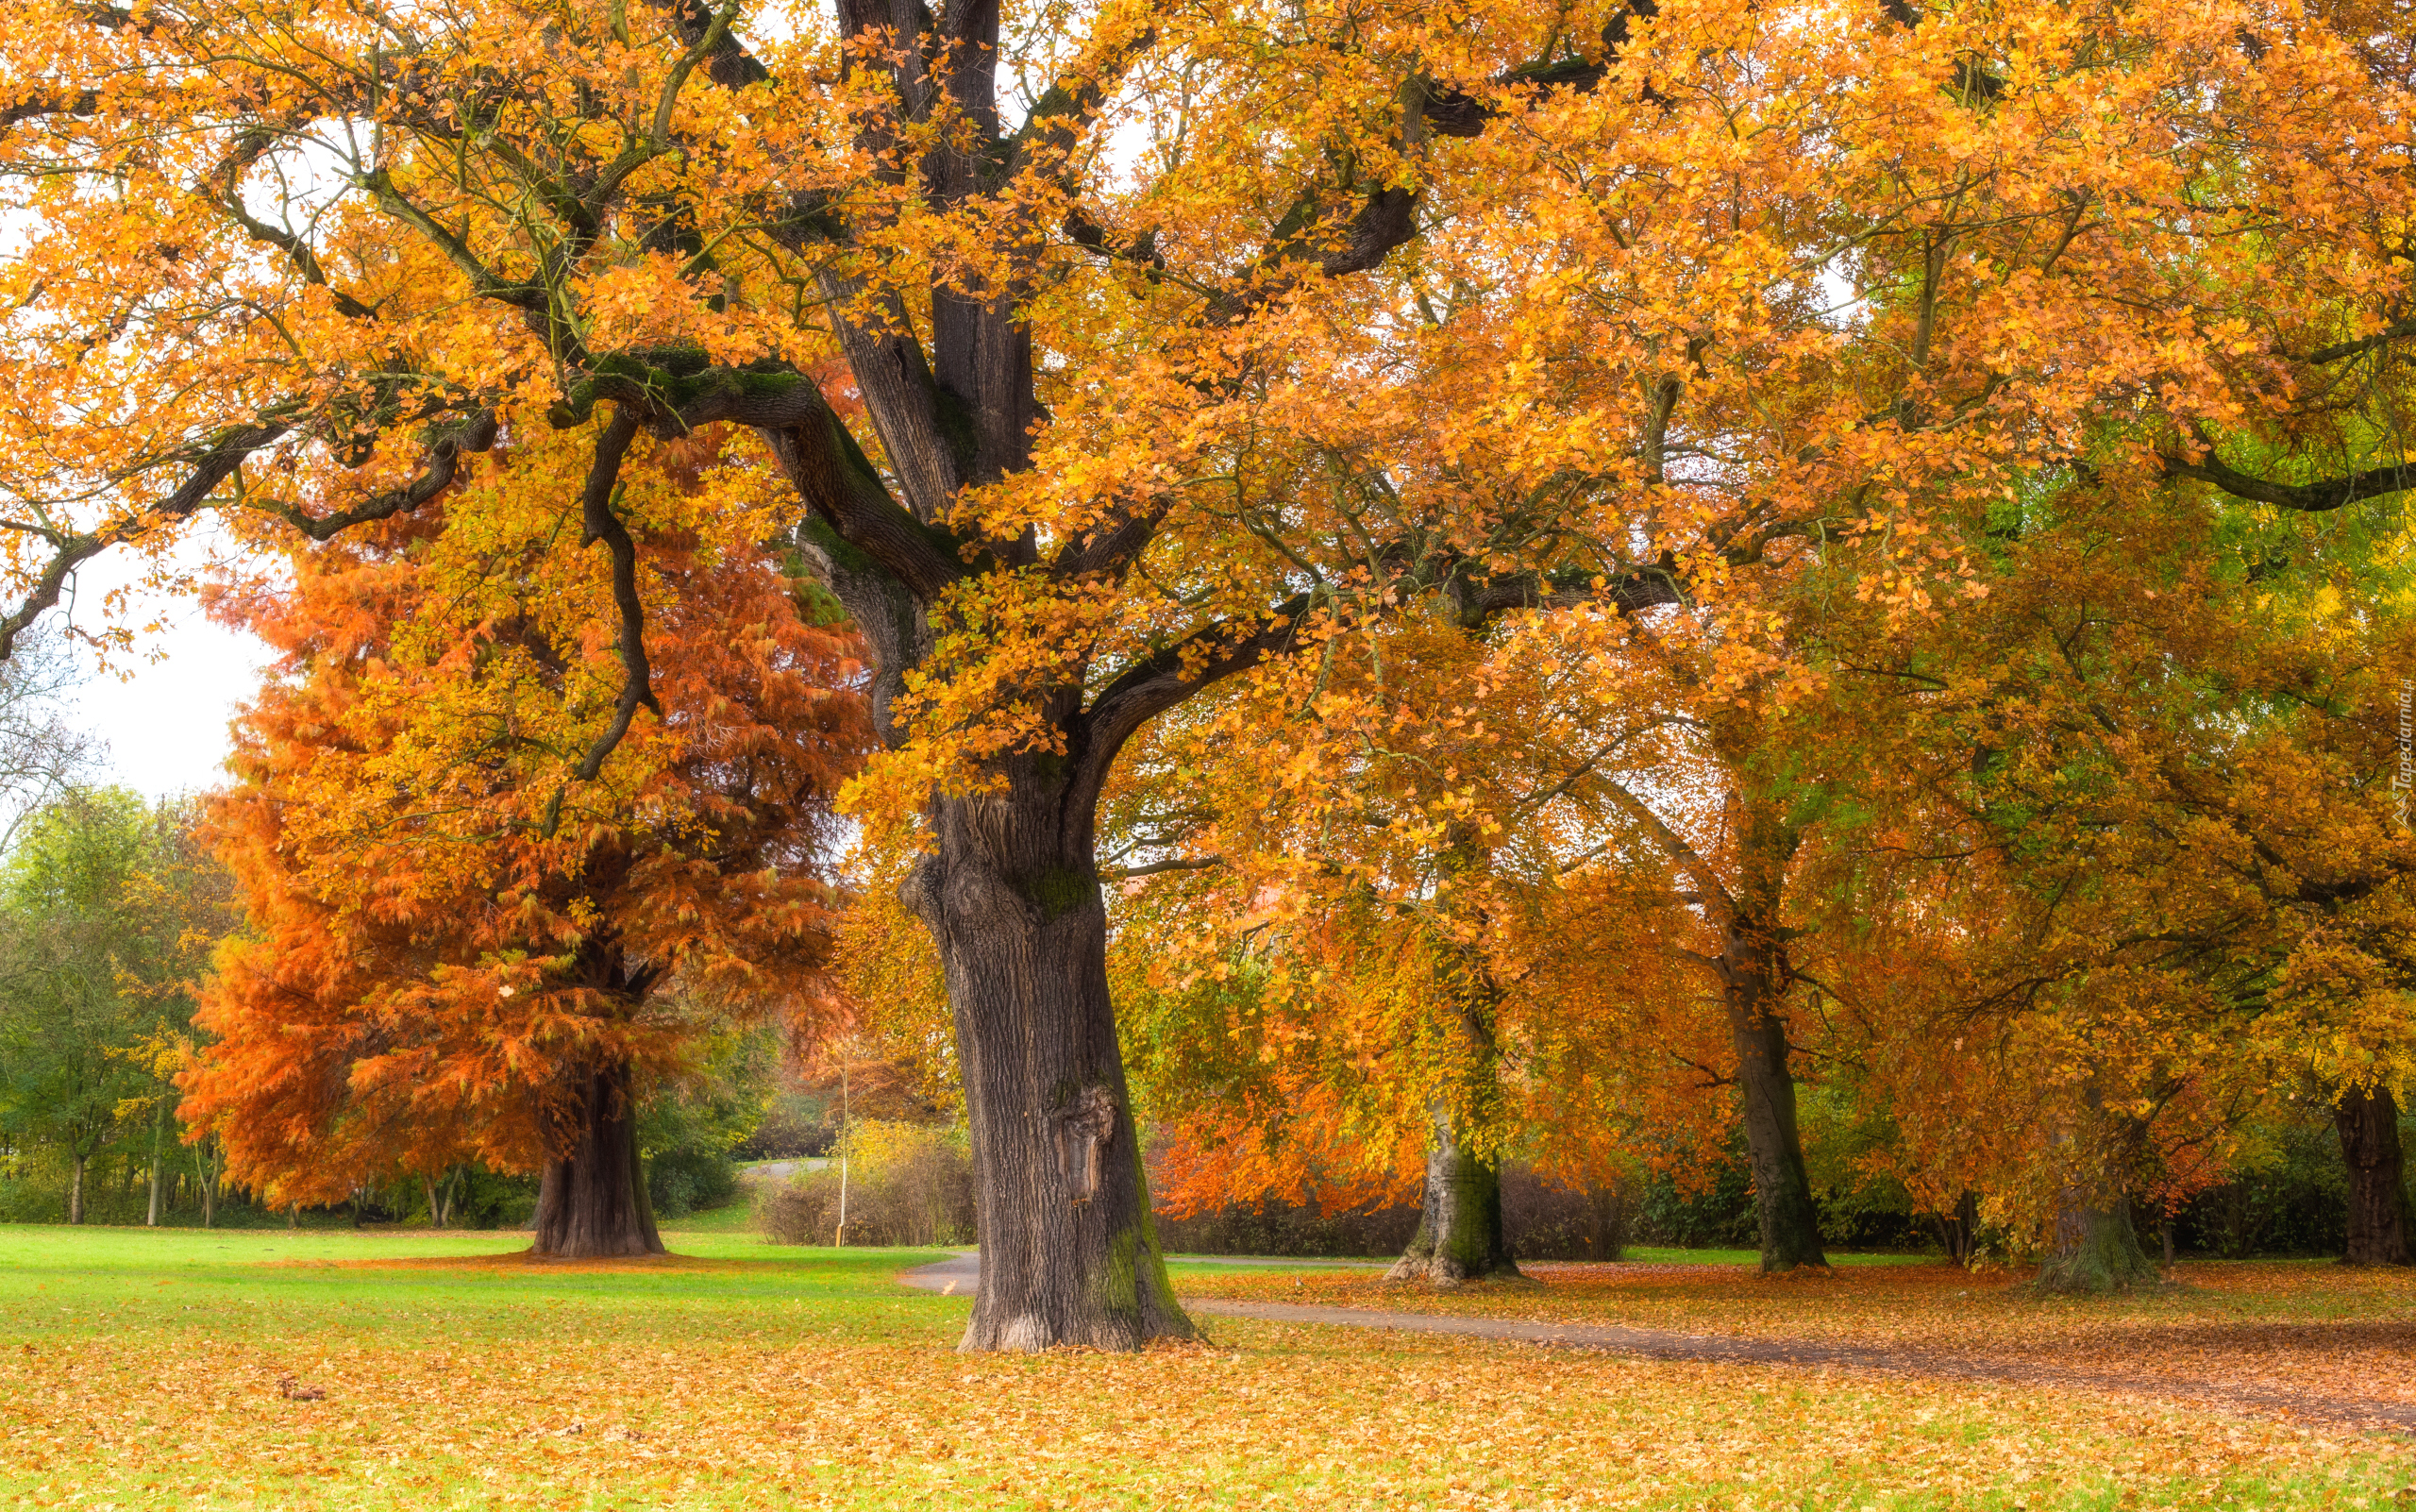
<point x="818" y="1385"/>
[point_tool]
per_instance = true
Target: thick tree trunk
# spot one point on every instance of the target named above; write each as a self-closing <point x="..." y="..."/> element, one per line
<point x="2369" y="1125"/>
<point x="1766" y="1099"/>
<point x="592" y="1203"/>
<point x="1459" y="1230"/>
<point x="2096" y="1245"/>
<point x="76" y="1192"/>
<point x="2097" y="1248"/>
<point x="1069" y="1253"/>
<point x="1610" y="1221"/>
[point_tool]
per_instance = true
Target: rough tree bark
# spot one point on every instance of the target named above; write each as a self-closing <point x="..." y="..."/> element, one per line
<point x="1766" y="1104"/>
<point x="1754" y="977"/>
<point x="1750" y="966"/>
<point x="2369" y="1123"/>
<point x="1070" y="1252"/>
<point x="592" y="1203"/>
<point x="2096" y="1246"/>
<point x="1459" y="1228"/>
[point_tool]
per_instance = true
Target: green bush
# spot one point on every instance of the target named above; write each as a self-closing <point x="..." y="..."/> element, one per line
<point x="690" y="1180"/>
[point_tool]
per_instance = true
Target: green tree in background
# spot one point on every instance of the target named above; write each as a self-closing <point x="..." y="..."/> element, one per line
<point x="107" y="910"/>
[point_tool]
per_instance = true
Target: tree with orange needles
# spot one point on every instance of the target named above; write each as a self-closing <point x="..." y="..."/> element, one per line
<point x="451" y="960"/>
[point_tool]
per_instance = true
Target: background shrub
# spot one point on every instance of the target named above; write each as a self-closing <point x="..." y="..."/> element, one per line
<point x="907" y="1183"/>
<point x="690" y="1180"/>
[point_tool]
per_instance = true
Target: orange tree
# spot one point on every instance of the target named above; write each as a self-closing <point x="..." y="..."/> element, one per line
<point x="448" y="959"/>
<point x="1176" y="334"/>
<point x="1340" y="876"/>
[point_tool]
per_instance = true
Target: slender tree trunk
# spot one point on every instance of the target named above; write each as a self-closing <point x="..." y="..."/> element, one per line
<point x="839" y="1238"/>
<point x="1459" y="1229"/>
<point x="75" y="1191"/>
<point x="158" y="1130"/>
<point x="208" y="1188"/>
<point x="592" y="1203"/>
<point x="2369" y="1125"/>
<point x="1069" y="1253"/>
<point x="1755" y="982"/>
<point x="1960" y="1229"/>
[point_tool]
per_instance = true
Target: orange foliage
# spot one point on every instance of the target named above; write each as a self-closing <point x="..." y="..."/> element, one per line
<point x="442" y="945"/>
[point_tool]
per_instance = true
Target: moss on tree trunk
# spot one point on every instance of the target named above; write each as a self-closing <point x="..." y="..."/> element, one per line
<point x="1459" y="1229"/>
<point x="2097" y="1250"/>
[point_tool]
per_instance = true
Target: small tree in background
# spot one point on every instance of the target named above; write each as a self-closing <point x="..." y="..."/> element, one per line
<point x="107" y="908"/>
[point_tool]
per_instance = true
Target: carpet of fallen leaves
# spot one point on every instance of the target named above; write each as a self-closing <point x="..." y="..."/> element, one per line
<point x="144" y="1370"/>
<point x="2309" y="1330"/>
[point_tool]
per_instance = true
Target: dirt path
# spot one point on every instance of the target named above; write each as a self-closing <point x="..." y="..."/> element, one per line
<point x="961" y="1275"/>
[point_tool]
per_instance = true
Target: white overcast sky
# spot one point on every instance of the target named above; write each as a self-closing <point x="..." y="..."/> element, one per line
<point x="163" y="708"/>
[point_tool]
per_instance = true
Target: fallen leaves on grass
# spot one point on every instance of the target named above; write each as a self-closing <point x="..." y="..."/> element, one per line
<point x="1294" y="1415"/>
<point x="2263" y="1334"/>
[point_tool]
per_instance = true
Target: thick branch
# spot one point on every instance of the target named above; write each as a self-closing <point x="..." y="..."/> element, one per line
<point x="604" y="524"/>
<point x="2397" y="331"/>
<point x="1158" y="683"/>
<point x="837" y="481"/>
<point x="1651" y="588"/>
<point x="1154" y="868"/>
<point x="2308" y="498"/>
<point x="476" y="434"/>
<point x="1713" y="891"/>
<point x="83" y="102"/>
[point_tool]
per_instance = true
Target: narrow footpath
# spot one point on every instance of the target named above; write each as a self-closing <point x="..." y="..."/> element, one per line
<point x="961" y="1275"/>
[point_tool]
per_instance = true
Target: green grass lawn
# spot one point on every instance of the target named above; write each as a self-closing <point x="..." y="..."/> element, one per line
<point x="140" y="1369"/>
<point x="731" y="1217"/>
